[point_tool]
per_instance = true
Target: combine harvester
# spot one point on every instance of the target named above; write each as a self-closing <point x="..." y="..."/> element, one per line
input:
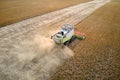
<point x="67" y="34"/>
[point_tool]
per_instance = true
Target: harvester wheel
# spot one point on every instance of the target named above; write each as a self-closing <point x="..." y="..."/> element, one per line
<point x="67" y="42"/>
<point x="72" y="39"/>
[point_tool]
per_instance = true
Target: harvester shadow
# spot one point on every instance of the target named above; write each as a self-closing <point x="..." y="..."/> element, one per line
<point x="73" y="43"/>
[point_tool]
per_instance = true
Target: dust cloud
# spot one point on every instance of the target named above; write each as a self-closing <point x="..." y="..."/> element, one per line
<point x="34" y="59"/>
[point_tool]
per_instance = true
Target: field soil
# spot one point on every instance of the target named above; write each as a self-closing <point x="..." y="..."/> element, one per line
<point x="18" y="10"/>
<point x="26" y="50"/>
<point x="97" y="57"/>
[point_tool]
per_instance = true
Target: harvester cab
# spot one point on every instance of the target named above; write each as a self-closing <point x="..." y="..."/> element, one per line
<point x="66" y="35"/>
